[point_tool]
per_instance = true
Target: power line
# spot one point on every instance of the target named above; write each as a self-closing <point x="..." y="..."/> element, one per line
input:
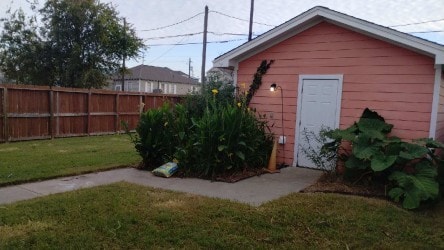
<point x="196" y="43"/>
<point x="194" y="34"/>
<point x="240" y="19"/>
<point x="241" y="34"/>
<point x="167" y="26"/>
<point x="245" y="20"/>
<point x="166" y="52"/>
<point x="431" y="31"/>
<point x="172" y="36"/>
<point x="226" y="34"/>
<point x="431" y="21"/>
<point x="235" y="40"/>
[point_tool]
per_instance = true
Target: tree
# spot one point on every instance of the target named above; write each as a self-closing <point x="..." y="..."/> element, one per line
<point x="78" y="44"/>
<point x="21" y="50"/>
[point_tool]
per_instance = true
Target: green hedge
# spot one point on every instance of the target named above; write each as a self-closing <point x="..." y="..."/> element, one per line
<point x="208" y="136"/>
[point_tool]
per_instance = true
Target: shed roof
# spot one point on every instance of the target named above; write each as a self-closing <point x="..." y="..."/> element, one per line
<point x="319" y="14"/>
<point x="153" y="73"/>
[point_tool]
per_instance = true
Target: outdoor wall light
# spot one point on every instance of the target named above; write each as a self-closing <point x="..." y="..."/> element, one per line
<point x="273" y="87"/>
<point x="282" y="139"/>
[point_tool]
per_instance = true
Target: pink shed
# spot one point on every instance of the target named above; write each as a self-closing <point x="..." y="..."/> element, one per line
<point x="331" y="66"/>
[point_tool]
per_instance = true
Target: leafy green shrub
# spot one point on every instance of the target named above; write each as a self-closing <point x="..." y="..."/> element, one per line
<point x="155" y="136"/>
<point x="229" y="139"/>
<point x="318" y="150"/>
<point x="196" y="103"/>
<point x="208" y="136"/>
<point x="183" y="131"/>
<point x="409" y="169"/>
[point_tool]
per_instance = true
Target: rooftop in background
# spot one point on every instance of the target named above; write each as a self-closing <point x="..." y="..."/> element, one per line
<point x="153" y="73"/>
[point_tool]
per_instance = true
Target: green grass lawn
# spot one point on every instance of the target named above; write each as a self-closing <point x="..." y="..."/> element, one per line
<point x="127" y="216"/>
<point x="43" y="159"/>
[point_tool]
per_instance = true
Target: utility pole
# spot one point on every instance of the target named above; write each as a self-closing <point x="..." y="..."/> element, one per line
<point x="250" y="32"/>
<point x="124" y="54"/>
<point x="189" y="67"/>
<point x="204" y="47"/>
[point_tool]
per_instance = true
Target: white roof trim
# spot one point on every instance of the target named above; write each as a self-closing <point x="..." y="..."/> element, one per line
<point x="318" y="14"/>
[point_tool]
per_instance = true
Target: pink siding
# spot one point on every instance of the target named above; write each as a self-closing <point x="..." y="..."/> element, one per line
<point x="440" y="120"/>
<point x="396" y="82"/>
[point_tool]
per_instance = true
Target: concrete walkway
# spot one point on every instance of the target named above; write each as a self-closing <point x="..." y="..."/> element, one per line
<point x="253" y="191"/>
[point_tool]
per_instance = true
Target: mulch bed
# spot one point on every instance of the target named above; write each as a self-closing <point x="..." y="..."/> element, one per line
<point x="331" y="184"/>
<point x="238" y="176"/>
<point x="229" y="177"/>
<point x="235" y="177"/>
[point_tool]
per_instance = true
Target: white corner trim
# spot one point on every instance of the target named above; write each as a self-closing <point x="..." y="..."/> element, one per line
<point x="236" y="68"/>
<point x="298" y="120"/>
<point x="340" y="78"/>
<point x="435" y="101"/>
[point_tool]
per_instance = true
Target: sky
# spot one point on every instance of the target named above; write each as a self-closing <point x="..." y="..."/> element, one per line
<point x="172" y="29"/>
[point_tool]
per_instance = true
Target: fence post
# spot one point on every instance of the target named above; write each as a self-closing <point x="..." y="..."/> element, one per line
<point x="88" y="128"/>
<point x="141" y="104"/>
<point x="58" y="113"/>
<point x="51" y="113"/>
<point x="145" y="108"/>
<point x="5" y="114"/>
<point x="117" y="113"/>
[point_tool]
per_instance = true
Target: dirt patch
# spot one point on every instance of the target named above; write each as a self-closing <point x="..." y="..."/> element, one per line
<point x="170" y="204"/>
<point x="229" y="177"/>
<point x="328" y="184"/>
<point x="9" y="149"/>
<point x="238" y="176"/>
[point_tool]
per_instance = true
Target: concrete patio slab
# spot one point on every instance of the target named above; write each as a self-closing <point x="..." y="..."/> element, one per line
<point x="254" y="191"/>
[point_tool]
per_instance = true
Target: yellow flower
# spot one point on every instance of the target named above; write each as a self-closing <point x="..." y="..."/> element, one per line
<point x="215" y="91"/>
<point x="239" y="104"/>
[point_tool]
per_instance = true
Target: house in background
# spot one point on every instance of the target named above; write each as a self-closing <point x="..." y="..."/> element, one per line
<point x="151" y="79"/>
<point x="222" y="75"/>
<point x="330" y="67"/>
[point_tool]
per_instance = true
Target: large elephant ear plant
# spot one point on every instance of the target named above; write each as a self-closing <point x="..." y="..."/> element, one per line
<point x="410" y="169"/>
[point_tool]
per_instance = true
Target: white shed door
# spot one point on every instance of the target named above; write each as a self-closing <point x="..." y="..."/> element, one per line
<point x="319" y="108"/>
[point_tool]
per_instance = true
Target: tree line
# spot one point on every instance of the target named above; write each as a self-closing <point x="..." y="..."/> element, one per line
<point x="66" y="43"/>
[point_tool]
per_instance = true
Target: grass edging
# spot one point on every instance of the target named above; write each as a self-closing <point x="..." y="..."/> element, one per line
<point x="19" y="182"/>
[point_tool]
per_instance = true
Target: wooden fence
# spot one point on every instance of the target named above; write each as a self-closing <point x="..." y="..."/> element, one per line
<point x="29" y="113"/>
